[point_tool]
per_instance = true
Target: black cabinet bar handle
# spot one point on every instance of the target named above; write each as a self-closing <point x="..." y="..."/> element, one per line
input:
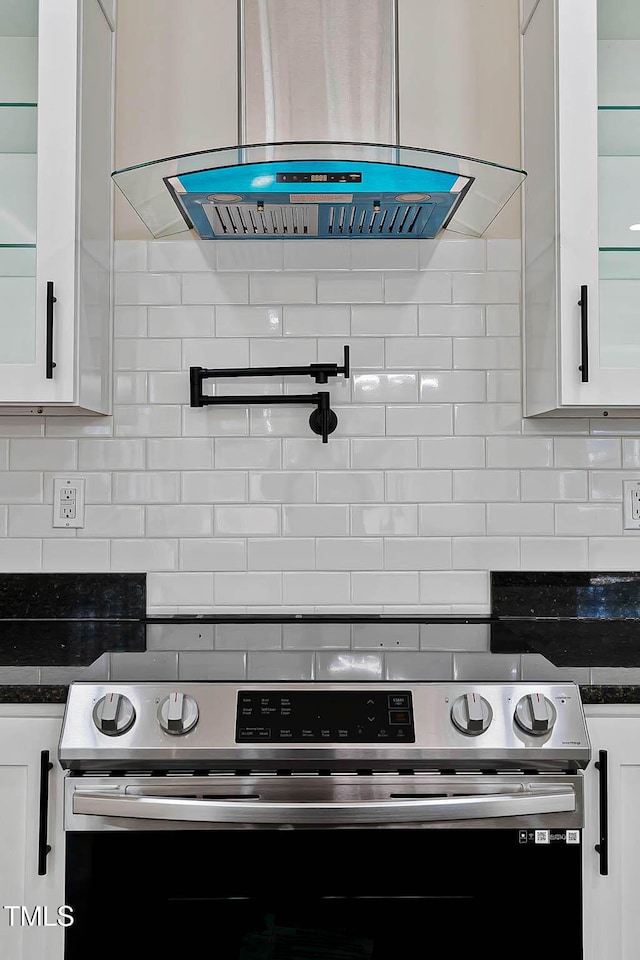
<point x="43" y="847"/>
<point x="603" y="847"/>
<point x="50" y="302"/>
<point x="583" y="303"/>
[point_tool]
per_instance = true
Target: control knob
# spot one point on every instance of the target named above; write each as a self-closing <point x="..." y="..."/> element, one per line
<point x="471" y="714"/>
<point x="113" y="714"/>
<point x="535" y="714"/>
<point x="177" y="713"/>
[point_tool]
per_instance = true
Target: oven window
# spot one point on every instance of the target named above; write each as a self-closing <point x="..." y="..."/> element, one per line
<point x="322" y="894"/>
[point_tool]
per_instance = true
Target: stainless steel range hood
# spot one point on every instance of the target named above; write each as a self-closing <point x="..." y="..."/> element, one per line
<point x="318" y="152"/>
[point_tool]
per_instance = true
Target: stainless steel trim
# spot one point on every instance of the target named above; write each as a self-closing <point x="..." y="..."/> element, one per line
<point x="547" y="800"/>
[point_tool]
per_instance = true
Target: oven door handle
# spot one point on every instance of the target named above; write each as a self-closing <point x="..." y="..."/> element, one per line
<point x="424" y="809"/>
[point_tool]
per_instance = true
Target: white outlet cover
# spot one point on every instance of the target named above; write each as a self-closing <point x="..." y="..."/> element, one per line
<point x="629" y="489"/>
<point x="67" y="491"/>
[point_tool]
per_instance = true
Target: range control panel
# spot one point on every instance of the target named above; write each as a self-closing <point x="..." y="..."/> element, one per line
<point x="350" y="716"/>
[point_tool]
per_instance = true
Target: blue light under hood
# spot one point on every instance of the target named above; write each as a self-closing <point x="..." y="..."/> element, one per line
<point x="319" y="198"/>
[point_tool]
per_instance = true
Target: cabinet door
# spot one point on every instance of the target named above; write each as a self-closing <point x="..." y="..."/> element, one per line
<point x="611" y="914"/>
<point x="21" y="742"/>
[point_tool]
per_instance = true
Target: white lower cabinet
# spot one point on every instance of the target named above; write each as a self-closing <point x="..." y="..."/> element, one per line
<point x="612" y="900"/>
<point x="29" y="899"/>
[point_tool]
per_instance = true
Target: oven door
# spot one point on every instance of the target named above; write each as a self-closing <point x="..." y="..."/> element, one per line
<point x="323" y="867"/>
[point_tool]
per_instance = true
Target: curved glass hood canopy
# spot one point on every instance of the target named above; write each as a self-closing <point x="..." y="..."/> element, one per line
<point x="318" y="190"/>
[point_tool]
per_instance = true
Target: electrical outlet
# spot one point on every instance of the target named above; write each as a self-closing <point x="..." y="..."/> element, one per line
<point x="68" y="501"/>
<point x="631" y="504"/>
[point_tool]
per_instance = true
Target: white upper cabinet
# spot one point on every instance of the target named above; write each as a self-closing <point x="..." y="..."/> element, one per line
<point x="581" y="150"/>
<point x="56" y="94"/>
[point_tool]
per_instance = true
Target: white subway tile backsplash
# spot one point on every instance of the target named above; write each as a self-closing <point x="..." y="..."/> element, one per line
<point x="183" y="520"/>
<point x="217" y="665"/>
<point x="349" y="553"/>
<point x="553" y="553"/>
<point x="249" y="520"/>
<point x="384" y="453"/>
<point x="152" y="420"/>
<point x="137" y="355"/>
<point x="519" y="452"/>
<point x="431" y="479"/>
<point x="453" y="386"/>
<point x="448" y="320"/>
<point x="20" y="486"/>
<point x="452" y="586"/>
<point x="283" y="666"/>
<point x="248" y="588"/>
<point x="614" y="553"/>
<point x="283" y="288"/>
<point x="486" y="553"/>
<point x="247" y="255"/>
<point x="418" y="485"/>
<point x="240" y="636"/>
<point x="180" y="322"/>
<point x="520" y="519"/>
<point x="486" y="485"/>
<point x="426" y="287"/>
<point x="417" y="553"/>
<point x="374" y="320"/>
<point x="19" y="555"/>
<point x="495" y="287"/>
<point x="318" y="588"/>
<point x="251" y="453"/>
<point x="127" y="555"/>
<point x="455" y="636"/>
<point x="69" y="556"/>
<point x="315" y="455"/>
<point x="147" y="288"/>
<point x="419" y="666"/>
<point x="390" y="520"/>
<point x="316" y="636"/>
<point x="385" y="388"/>
<point x="214" y="288"/>
<point x="281" y="554"/>
<point x="554" y="484"/>
<point x="590" y="452"/>
<point x="504" y="255"/>
<point x="384" y="255"/>
<point x="431" y="353"/>
<point x="316" y="320"/>
<point x="453" y="255"/>
<point x="487" y="418"/>
<point x="177" y="256"/>
<point x="43" y="454"/>
<point x="451" y="452"/>
<point x="482" y="353"/>
<point x="504" y="386"/>
<point x="217" y="554"/>
<point x="452" y="519"/>
<point x="351" y="486"/>
<point x="486" y="666"/>
<point x="348" y="665"/>
<point x="132" y="387"/>
<point x="350" y="288"/>
<point x="588" y="519"/>
<point x="503" y="319"/>
<point x="130" y="322"/>
<point x="180" y="588"/>
<point x="146" y="487"/>
<point x="129" y="255"/>
<point x="315" y="520"/>
<point x="316" y="255"/>
<point x="185" y="454"/>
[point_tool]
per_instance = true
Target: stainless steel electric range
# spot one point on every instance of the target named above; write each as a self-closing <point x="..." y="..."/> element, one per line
<point x="249" y="821"/>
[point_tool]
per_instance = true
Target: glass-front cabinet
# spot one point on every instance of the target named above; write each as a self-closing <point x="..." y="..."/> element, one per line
<point x="581" y="149"/>
<point x="56" y="67"/>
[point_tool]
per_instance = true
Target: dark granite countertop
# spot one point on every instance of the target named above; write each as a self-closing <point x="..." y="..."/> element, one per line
<point x="57" y="693"/>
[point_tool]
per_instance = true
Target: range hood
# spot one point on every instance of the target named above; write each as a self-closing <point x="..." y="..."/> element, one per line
<point x="318" y="82"/>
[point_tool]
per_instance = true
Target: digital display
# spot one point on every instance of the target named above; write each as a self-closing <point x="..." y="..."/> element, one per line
<point x="349" y="716"/>
<point x="302" y="177"/>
